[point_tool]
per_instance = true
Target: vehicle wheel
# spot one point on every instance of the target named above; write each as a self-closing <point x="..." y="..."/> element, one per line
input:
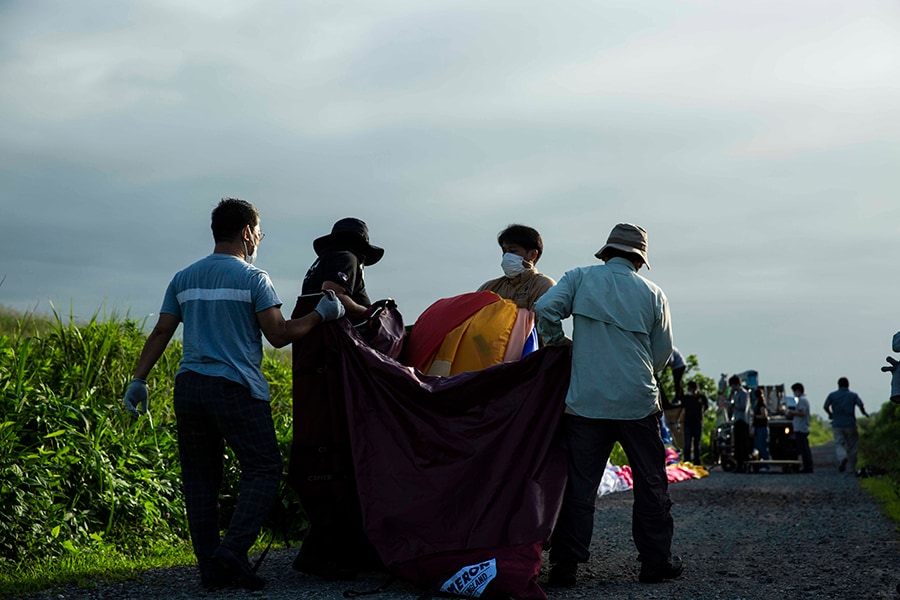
<point x="728" y="464"/>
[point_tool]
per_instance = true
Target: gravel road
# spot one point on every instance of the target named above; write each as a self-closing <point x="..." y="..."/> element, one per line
<point x="765" y="536"/>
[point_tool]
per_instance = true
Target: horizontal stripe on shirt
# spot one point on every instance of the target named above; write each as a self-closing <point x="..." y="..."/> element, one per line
<point x="235" y="295"/>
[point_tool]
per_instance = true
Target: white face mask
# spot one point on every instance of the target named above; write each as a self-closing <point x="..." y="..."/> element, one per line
<point x="514" y="265"/>
<point x="250" y="258"/>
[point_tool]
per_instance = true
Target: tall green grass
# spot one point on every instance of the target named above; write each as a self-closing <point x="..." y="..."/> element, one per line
<point x="23" y="323"/>
<point x="879" y="446"/>
<point x="880" y="439"/>
<point x="81" y="482"/>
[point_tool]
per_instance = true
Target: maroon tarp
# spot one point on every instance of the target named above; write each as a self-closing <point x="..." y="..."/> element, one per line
<point x="455" y="471"/>
<point x="321" y="469"/>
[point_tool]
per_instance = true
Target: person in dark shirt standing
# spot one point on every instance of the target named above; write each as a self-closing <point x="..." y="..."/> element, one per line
<point x="761" y="425"/>
<point x="740" y="404"/>
<point x="693" y="405"/>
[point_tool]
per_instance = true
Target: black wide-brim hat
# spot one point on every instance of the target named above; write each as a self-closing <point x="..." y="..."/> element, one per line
<point x="349" y="234"/>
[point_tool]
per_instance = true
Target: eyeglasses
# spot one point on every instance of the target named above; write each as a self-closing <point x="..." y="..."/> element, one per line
<point x="261" y="236"/>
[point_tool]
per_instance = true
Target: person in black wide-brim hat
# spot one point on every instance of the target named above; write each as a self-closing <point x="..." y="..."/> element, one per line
<point x="334" y="546"/>
<point x="342" y="254"/>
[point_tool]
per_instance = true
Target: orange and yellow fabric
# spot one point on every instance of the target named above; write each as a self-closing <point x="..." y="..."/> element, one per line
<point x="436" y="322"/>
<point x="478" y="343"/>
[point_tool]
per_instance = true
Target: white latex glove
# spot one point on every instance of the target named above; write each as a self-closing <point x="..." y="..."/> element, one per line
<point x="137" y="400"/>
<point x="330" y="307"/>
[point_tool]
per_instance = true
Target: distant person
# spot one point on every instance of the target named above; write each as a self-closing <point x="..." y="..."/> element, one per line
<point x="761" y="423"/>
<point x="622" y="340"/>
<point x="341" y="258"/>
<point x="723" y="408"/>
<point x="841" y="407"/>
<point x="521" y="282"/>
<point x="694" y="406"/>
<point x="740" y="414"/>
<point x="221" y="396"/>
<point x="677" y="367"/>
<point x="721" y="418"/>
<point x="800" y="415"/>
<point x="892" y="368"/>
<point x="789" y="403"/>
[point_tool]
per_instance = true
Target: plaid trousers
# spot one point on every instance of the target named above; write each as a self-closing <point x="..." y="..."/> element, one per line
<point x="210" y="412"/>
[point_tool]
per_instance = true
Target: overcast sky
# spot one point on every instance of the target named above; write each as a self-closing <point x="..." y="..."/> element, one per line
<point x="758" y="143"/>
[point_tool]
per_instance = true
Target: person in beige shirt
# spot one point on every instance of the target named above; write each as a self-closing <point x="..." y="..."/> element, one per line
<point x="521" y="282"/>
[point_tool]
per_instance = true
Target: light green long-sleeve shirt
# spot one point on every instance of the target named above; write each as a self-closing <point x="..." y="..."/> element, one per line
<point x="622" y="337"/>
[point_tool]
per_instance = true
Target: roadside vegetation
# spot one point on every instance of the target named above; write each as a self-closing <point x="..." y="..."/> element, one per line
<point x="88" y="493"/>
<point x="879" y="452"/>
<point x="23" y="324"/>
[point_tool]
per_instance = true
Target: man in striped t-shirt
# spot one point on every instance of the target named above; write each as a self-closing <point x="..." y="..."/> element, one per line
<point x="221" y="396"/>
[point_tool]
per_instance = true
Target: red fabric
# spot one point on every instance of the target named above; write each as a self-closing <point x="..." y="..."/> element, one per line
<point x="625" y="474"/>
<point x="451" y="469"/>
<point x="437" y="321"/>
<point x="675" y="473"/>
<point x="672" y="456"/>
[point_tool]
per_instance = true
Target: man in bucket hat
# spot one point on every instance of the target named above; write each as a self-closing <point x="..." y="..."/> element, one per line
<point x="623" y="339"/>
<point x="342" y="254"/>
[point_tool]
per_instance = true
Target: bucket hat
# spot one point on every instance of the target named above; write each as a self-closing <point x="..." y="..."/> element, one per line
<point x="352" y="234"/>
<point x="628" y="238"/>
